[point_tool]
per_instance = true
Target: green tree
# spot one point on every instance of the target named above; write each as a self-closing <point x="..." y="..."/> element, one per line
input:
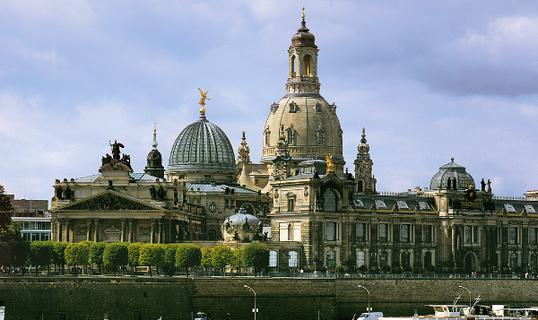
<point x="40" y="254"/>
<point x="188" y="256"/>
<point x="206" y="257"/>
<point x="159" y="257"/>
<point x="58" y="255"/>
<point x="5" y="214"/>
<point x="169" y="258"/>
<point x="95" y="255"/>
<point x="148" y="256"/>
<point x="5" y="254"/>
<point x="115" y="255"/>
<point x="221" y="256"/>
<point x="133" y="255"/>
<point x="255" y="256"/>
<point x="20" y="251"/>
<point x="76" y="254"/>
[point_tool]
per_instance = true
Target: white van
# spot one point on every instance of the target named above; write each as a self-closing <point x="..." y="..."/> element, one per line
<point x="369" y="316"/>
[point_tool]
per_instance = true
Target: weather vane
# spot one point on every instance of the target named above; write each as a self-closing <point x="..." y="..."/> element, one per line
<point x="203" y="98"/>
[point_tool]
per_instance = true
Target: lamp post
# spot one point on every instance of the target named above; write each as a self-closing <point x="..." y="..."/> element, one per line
<point x="369" y="308"/>
<point x="255" y="310"/>
<point x="470" y="296"/>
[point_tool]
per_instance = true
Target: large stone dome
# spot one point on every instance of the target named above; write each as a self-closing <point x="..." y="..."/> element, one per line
<point x="451" y="170"/>
<point x="314" y="125"/>
<point x="202" y="152"/>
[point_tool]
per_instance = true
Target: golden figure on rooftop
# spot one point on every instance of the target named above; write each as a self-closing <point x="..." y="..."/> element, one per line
<point x="330" y="164"/>
<point x="203" y="98"/>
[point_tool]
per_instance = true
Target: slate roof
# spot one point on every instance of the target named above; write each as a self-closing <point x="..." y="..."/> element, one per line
<point x="136" y="176"/>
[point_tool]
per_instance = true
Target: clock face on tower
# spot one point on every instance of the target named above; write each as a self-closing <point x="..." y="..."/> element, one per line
<point x="212" y="207"/>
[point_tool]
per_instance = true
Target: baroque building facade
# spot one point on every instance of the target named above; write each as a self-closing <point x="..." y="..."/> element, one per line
<point x="314" y="212"/>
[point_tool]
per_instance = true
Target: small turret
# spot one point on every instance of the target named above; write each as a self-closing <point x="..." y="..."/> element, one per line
<point x="364" y="179"/>
<point x="154" y="165"/>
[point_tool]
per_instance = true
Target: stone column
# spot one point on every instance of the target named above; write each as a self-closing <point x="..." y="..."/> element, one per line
<point x="95" y="230"/>
<point x="152" y="232"/>
<point x="58" y="230"/>
<point x="67" y="238"/>
<point x="160" y="231"/>
<point x="130" y="230"/>
<point x="122" y="239"/>
<point x="88" y="227"/>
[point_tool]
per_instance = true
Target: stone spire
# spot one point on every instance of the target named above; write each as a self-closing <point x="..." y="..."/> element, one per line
<point x="243" y="152"/>
<point x="364" y="179"/>
<point x="303" y="61"/>
<point x="154" y="165"/>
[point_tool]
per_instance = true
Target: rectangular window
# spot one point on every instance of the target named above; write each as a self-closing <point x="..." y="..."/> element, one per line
<point x="404" y="233"/>
<point x="330" y="231"/>
<point x="475" y="234"/>
<point x="512" y="235"/>
<point x="428" y="237"/>
<point x="468" y="234"/>
<point x="296" y="231"/>
<point x="291" y="204"/>
<point x="283" y="231"/>
<point x="361" y="232"/>
<point x="293" y="260"/>
<point x="273" y="258"/>
<point x="384" y="258"/>
<point x="382" y="232"/>
<point x="532" y="235"/>
<point x="360" y="258"/>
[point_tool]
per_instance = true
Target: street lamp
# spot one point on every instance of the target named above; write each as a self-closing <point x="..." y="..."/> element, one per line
<point x="255" y="310"/>
<point x="470" y="297"/>
<point x="369" y="308"/>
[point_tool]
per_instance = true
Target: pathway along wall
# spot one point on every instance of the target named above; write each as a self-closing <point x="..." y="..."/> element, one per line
<point x="284" y="298"/>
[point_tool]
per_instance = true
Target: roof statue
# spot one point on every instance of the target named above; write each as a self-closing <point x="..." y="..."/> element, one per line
<point x="203" y="98"/>
<point x="330" y="164"/>
<point x="116" y="149"/>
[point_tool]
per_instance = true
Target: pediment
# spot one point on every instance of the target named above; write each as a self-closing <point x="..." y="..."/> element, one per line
<point x="110" y="201"/>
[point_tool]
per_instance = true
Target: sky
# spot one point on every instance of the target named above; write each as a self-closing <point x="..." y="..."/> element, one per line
<point x="429" y="80"/>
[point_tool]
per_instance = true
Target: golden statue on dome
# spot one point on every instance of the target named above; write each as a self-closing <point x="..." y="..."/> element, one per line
<point x="330" y="164"/>
<point x="203" y="98"/>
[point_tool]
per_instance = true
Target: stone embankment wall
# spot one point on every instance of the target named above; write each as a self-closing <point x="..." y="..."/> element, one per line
<point x="176" y="298"/>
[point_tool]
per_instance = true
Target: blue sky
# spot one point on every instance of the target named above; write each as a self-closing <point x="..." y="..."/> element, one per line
<point x="429" y="80"/>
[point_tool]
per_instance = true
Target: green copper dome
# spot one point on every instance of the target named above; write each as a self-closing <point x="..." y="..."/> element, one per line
<point x="202" y="147"/>
<point x="453" y="171"/>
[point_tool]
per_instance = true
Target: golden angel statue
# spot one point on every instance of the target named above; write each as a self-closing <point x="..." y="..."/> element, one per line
<point x="330" y="164"/>
<point x="203" y="98"/>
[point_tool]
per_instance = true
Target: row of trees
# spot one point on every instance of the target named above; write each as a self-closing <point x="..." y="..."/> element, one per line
<point x="126" y="257"/>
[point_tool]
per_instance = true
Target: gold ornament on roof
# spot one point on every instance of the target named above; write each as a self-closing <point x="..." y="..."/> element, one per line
<point x="330" y="164"/>
<point x="203" y="98"/>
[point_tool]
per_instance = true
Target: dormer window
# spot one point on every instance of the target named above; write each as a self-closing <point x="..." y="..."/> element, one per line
<point x="293" y="107"/>
<point x="380" y="204"/>
<point x="509" y="208"/>
<point x="402" y="204"/>
<point x="320" y="136"/>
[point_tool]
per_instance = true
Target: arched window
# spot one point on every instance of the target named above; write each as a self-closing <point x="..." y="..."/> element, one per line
<point x="292" y="66"/>
<point x="329" y="200"/>
<point x="360" y="186"/>
<point x="291" y="137"/>
<point x="293" y="261"/>
<point x="307" y="69"/>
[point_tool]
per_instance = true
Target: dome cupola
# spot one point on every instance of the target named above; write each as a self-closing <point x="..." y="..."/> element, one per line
<point x="452" y="176"/>
<point x="203" y="153"/>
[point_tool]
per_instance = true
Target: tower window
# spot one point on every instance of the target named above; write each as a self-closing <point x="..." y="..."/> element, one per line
<point x="360" y="186"/>
<point x="318" y="107"/>
<point x="293" y="70"/>
<point x="307" y="60"/>
<point x="329" y="200"/>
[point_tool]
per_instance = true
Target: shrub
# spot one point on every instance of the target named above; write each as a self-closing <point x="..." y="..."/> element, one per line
<point x="95" y="255"/>
<point x="255" y="256"/>
<point x="115" y="255"/>
<point x="148" y="256"/>
<point x="221" y="256"/>
<point x="169" y="258"/>
<point x="40" y="254"/>
<point x="188" y="256"/>
<point x="76" y="254"/>
<point x="58" y="254"/>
